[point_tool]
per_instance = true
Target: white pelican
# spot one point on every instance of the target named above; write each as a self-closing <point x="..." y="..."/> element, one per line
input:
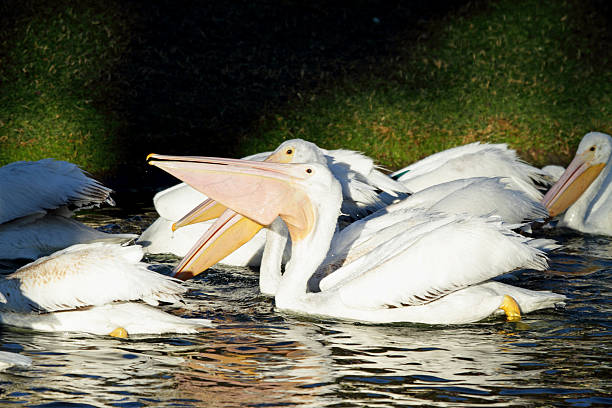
<point x="582" y="197"/>
<point x="454" y="197"/>
<point x="473" y="160"/>
<point x="424" y="268"/>
<point x="92" y="288"/>
<point x="497" y="197"/>
<point x="360" y="178"/>
<point x="35" y="205"/>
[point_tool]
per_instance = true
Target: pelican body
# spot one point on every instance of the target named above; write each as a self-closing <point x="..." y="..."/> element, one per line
<point x="420" y="267"/>
<point x="95" y="288"/>
<point x="473" y="160"/>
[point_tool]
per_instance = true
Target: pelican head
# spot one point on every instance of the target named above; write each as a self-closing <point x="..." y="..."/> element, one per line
<point x="591" y="157"/>
<point x="259" y="191"/>
<point x="297" y="151"/>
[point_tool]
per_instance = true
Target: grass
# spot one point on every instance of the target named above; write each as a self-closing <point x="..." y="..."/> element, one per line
<point x="103" y="85"/>
<point x="534" y="75"/>
<point x="52" y="65"/>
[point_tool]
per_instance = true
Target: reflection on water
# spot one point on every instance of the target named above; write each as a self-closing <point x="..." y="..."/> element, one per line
<point x="258" y="357"/>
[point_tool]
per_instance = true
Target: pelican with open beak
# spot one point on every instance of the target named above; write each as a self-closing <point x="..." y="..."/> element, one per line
<point x="396" y="273"/>
<point x="582" y="197"/>
<point x="362" y="184"/>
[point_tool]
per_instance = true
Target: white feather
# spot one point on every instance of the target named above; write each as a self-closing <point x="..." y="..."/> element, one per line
<point x="474" y="250"/>
<point x="135" y="318"/>
<point x="35" y="187"/>
<point x="86" y="275"/>
<point x="39" y="235"/>
<point x="472" y="160"/>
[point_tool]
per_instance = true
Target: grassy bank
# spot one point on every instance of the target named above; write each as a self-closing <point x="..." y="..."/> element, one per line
<point x="534" y="75"/>
<point x="103" y="86"/>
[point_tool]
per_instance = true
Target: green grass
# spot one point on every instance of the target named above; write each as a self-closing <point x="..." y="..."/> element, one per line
<point x="536" y="75"/>
<point x="54" y="60"/>
<point x="102" y="85"/>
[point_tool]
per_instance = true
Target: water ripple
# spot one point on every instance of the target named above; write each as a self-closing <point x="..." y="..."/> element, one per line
<point x="257" y="357"/>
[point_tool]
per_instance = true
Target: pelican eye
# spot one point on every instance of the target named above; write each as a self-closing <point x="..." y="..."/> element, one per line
<point x="592" y="148"/>
<point x="309" y="170"/>
<point x="289" y="151"/>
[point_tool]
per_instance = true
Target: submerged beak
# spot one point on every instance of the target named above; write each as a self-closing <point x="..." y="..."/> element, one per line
<point x="260" y="191"/>
<point x="573" y="182"/>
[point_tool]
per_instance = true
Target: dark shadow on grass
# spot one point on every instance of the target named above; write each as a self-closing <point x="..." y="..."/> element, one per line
<point x="200" y="75"/>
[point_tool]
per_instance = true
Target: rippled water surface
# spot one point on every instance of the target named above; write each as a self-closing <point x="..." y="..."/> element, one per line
<point x="258" y="357"/>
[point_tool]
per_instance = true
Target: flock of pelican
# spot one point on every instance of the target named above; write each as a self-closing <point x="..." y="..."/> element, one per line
<point x="331" y="234"/>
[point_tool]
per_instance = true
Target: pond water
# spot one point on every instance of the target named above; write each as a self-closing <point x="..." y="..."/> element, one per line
<point x="257" y="357"/>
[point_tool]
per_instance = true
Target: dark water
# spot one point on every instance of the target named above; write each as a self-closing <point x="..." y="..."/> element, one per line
<point x="261" y="358"/>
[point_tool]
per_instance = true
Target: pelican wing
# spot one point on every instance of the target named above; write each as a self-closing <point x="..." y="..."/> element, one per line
<point x="445" y="254"/>
<point x="497" y="196"/>
<point x="38" y="235"/>
<point x="35" y="187"/>
<point x="364" y="166"/>
<point x="432" y="162"/>
<point x="366" y="243"/>
<point x="362" y="182"/>
<point x="85" y="275"/>
<point x="473" y="160"/>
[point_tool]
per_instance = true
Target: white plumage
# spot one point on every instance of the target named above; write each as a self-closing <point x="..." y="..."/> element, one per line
<point x="473" y="160"/>
<point x="8" y="360"/>
<point x="44" y="185"/>
<point x="415" y="266"/>
<point x="477" y="196"/>
<point x="65" y="290"/>
<point x="37" y="235"/>
<point x="36" y="203"/>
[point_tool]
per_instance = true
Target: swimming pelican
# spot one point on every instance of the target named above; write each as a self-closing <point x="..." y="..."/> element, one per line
<point x="423" y="268"/>
<point x="360" y="178"/>
<point x="92" y="288"/>
<point x="582" y="197"/>
<point x="457" y="196"/>
<point x="454" y="197"/>
<point x="473" y="160"/>
<point x="36" y="204"/>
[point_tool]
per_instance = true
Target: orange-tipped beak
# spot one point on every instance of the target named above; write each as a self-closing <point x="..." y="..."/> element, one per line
<point x="573" y="182"/>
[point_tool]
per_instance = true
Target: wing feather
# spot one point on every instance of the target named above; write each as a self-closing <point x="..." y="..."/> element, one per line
<point x="473" y="160"/>
<point x="38" y="235"/>
<point x="366" y="243"/>
<point x="496" y="197"/>
<point x="85" y="275"/>
<point x="34" y="187"/>
<point x="362" y="183"/>
<point x="456" y="254"/>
